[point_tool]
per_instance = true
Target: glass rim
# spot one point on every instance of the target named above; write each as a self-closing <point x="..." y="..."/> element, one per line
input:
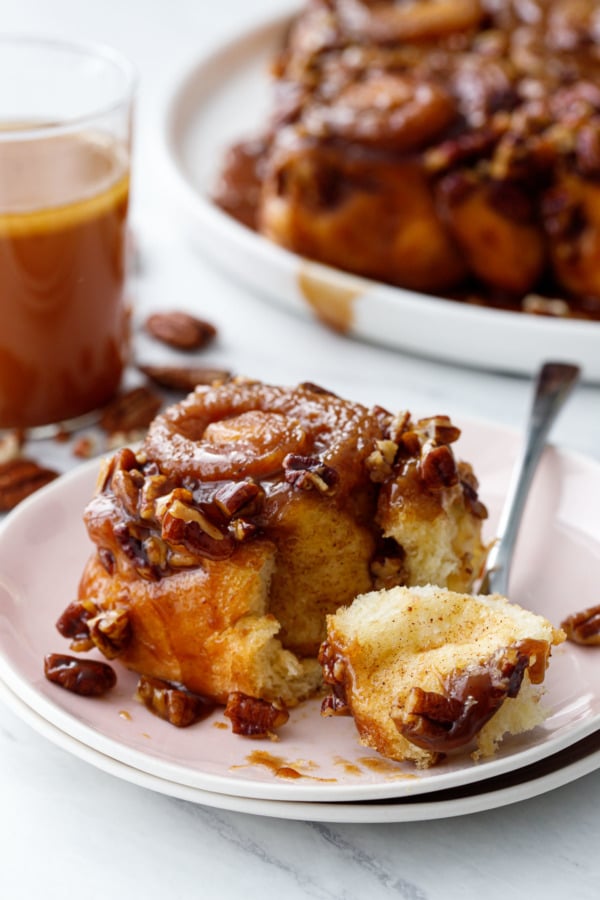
<point x="90" y="49"/>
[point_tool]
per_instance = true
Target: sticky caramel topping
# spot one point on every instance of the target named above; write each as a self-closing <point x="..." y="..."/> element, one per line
<point x="445" y="721"/>
<point x="226" y="466"/>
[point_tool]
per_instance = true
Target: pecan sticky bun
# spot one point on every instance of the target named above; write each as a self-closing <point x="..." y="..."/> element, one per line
<point x="249" y="514"/>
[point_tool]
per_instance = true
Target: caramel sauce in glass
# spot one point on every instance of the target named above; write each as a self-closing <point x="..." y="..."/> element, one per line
<point x="63" y="316"/>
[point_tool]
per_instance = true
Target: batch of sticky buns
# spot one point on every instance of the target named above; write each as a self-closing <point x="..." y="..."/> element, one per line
<point x="447" y="146"/>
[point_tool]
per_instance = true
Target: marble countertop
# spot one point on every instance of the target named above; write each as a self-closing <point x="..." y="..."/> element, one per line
<point x="67" y="828"/>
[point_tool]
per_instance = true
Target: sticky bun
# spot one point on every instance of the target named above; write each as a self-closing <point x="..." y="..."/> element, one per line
<point x="449" y="146"/>
<point x="425" y="672"/>
<point x="249" y="514"/>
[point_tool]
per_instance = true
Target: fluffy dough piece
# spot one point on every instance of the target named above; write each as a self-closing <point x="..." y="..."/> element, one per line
<point x="388" y="643"/>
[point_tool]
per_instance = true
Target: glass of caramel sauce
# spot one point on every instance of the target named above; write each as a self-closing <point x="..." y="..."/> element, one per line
<point x="65" y="133"/>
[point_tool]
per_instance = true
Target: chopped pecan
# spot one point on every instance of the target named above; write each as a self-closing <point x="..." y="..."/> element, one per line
<point x="235" y="496"/>
<point x="154" y="486"/>
<point x="86" y="677"/>
<point x="380" y="462"/>
<point x="388" y="565"/>
<point x="583" y="627"/>
<point x="308" y="472"/>
<point x="409" y="443"/>
<point x="253" y="717"/>
<point x="107" y="558"/>
<point x="398" y="425"/>
<point x="184" y="378"/>
<point x="173" y="702"/>
<point x="438" y="467"/>
<point x="334" y="674"/>
<point x="439" y="429"/>
<point x="126" y="486"/>
<point x="180" y="330"/>
<point x="19" y="478"/>
<point x="470" y="486"/>
<point x="130" y="411"/>
<point x="110" y="631"/>
<point x="156" y="552"/>
<point x="241" y="529"/>
<point x="183" y="523"/>
<point x="74" y="624"/>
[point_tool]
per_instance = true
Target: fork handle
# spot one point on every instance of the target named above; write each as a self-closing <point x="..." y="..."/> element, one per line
<point x="554" y="383"/>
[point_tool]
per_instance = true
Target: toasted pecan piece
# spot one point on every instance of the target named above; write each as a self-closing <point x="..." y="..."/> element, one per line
<point x="180" y="330"/>
<point x="19" y="478"/>
<point x="583" y="627"/>
<point x="253" y="717"/>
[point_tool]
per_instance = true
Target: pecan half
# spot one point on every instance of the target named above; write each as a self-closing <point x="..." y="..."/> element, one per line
<point x="439" y="429"/>
<point x="183" y="523"/>
<point x="583" y="627"/>
<point x="110" y="631"/>
<point x="130" y="411"/>
<point x="85" y="677"/>
<point x="180" y="330"/>
<point x="19" y="478"/>
<point x="234" y="496"/>
<point x="184" y="378"/>
<point x="173" y="702"/>
<point x="253" y="717"/>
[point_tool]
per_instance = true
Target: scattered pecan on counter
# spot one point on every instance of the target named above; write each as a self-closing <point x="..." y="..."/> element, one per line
<point x="19" y="478"/>
<point x="180" y="330"/>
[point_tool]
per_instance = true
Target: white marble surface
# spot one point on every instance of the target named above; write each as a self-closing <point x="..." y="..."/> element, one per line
<point x="68" y="829"/>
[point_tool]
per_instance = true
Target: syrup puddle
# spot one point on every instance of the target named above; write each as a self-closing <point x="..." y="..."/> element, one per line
<point x="281" y="767"/>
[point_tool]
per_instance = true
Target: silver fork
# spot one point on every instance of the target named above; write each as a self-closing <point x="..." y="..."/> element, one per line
<point x="554" y="383"/>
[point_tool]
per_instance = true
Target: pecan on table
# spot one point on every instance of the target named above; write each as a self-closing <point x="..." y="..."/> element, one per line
<point x="180" y="330"/>
<point x="19" y="478"/>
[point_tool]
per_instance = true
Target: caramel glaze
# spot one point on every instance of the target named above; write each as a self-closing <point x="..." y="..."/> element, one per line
<point x="243" y="453"/>
<point x="495" y="104"/>
<point x="446" y="721"/>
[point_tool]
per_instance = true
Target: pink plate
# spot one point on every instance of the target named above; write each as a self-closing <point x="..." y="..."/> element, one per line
<point x="43" y="547"/>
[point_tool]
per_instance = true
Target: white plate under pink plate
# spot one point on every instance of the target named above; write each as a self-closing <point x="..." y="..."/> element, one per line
<point x="43" y="547"/>
<point x="226" y="96"/>
<point x="512" y="787"/>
